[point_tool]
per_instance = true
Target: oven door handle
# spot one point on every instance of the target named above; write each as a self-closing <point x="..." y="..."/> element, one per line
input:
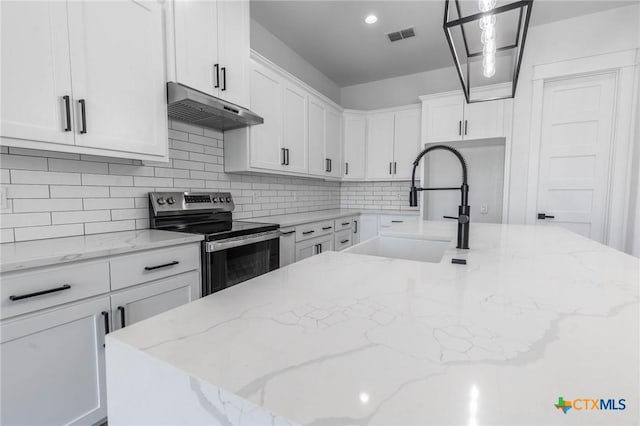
<point x="228" y="243"/>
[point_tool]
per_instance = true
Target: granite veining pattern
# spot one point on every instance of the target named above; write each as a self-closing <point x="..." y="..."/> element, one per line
<point x="31" y="254"/>
<point x="340" y="338"/>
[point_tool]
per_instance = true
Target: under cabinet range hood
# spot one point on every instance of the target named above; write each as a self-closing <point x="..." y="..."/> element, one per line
<point x="199" y="108"/>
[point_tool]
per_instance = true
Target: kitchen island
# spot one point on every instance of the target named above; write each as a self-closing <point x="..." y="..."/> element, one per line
<point x="536" y="314"/>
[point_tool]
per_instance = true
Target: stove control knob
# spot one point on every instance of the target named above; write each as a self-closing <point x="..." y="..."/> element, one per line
<point x="214" y="199"/>
<point x="161" y="201"/>
<point x="171" y="200"/>
<point x="228" y="199"/>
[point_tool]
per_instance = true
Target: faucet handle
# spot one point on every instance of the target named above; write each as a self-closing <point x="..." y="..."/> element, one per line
<point x="463" y="218"/>
<point x="450" y="217"/>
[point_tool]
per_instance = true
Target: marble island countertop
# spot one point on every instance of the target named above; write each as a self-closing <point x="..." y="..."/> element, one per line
<point x="538" y="313"/>
<point x="31" y="254"/>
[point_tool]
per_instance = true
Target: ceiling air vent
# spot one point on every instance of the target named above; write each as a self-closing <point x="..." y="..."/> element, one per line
<point x="402" y="34"/>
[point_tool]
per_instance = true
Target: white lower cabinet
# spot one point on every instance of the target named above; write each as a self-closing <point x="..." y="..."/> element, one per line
<point x="355" y="230"/>
<point x="53" y="366"/>
<point x="52" y="335"/>
<point x="369" y="226"/>
<point x="313" y="246"/>
<point x="287" y="246"/>
<point x="342" y="240"/>
<point x="140" y="303"/>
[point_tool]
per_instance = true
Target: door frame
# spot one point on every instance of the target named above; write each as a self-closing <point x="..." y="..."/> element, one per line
<point x="623" y="65"/>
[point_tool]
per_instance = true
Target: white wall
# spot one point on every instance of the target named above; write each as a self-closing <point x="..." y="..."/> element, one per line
<point x="271" y="47"/>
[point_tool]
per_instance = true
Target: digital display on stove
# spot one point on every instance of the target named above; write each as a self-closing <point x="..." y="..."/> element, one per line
<point x="190" y="199"/>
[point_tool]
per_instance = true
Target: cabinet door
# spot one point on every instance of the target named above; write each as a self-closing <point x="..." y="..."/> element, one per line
<point x="356" y="230"/>
<point x="443" y="118"/>
<point x="326" y="243"/>
<point x="369" y="226"/>
<point x="118" y="71"/>
<point x="294" y="127"/>
<point x="137" y="304"/>
<point x="266" y="101"/>
<point x="354" y="147"/>
<point x="306" y="249"/>
<point x="380" y="146"/>
<point x="333" y="142"/>
<point x="317" y="128"/>
<point x="196" y="44"/>
<point x="484" y="120"/>
<point x="36" y="72"/>
<point x="406" y="145"/>
<point x="233" y="45"/>
<point x="53" y="366"/>
<point x="287" y="246"/>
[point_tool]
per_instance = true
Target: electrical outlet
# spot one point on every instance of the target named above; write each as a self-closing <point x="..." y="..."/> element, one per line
<point x="484" y="209"/>
<point x="3" y="198"/>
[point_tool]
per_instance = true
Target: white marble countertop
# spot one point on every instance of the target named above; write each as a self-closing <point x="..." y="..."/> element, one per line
<point x="295" y="219"/>
<point x="537" y="313"/>
<point x="31" y="254"/>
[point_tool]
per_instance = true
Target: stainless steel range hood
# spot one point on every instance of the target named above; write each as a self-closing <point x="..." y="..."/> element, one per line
<point x="196" y="107"/>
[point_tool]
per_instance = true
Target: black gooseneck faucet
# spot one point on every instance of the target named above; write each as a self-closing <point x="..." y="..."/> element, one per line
<point x="463" y="208"/>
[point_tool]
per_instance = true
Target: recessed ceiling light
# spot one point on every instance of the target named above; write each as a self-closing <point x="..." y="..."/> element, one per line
<point x="371" y="19"/>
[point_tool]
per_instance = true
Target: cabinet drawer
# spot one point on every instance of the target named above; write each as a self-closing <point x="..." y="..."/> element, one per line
<point x="151" y="265"/>
<point x="342" y="239"/>
<point x="386" y="221"/>
<point x="313" y="230"/>
<point x="25" y="292"/>
<point x="343" y="223"/>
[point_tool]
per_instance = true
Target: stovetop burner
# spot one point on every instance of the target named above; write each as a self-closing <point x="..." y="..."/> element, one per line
<point x="222" y="230"/>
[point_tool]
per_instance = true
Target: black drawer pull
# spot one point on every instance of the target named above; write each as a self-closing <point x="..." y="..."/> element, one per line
<point x="122" y="321"/>
<point x="288" y="233"/>
<point x="67" y="108"/>
<point x="40" y="293"/>
<point x="151" y="268"/>
<point x="344" y="241"/>
<point x="83" y="115"/>
<point x="308" y="232"/>
<point x="325" y="228"/>
<point x="105" y="315"/>
<point x="397" y="221"/>
<point x="345" y="223"/>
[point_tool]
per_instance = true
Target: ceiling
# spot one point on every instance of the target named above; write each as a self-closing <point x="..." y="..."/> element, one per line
<point x="333" y="37"/>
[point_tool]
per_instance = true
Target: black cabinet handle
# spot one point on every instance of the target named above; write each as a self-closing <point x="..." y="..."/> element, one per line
<point x="397" y="221"/>
<point x="151" y="268"/>
<point x="327" y="167"/>
<point x="395" y="168"/>
<point x="39" y="293"/>
<point x="216" y="67"/>
<point x="346" y="172"/>
<point x="287" y="152"/>
<point x="355" y="224"/>
<point x="465" y="127"/>
<point x="344" y="241"/>
<point x="345" y="223"/>
<point x="122" y="321"/>
<point x="327" y="228"/>
<point x="224" y="78"/>
<point x="544" y="216"/>
<point x="460" y="128"/>
<point x="390" y="165"/>
<point x="284" y="156"/>
<point x="67" y="112"/>
<point x="83" y="115"/>
<point x="105" y="315"/>
<point x="288" y="233"/>
<point x="308" y="232"/>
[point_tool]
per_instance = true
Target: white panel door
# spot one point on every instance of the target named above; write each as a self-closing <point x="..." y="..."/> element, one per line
<point x="294" y="128"/>
<point x="317" y="129"/>
<point x="36" y="72"/>
<point x="380" y="146"/>
<point x="140" y="303"/>
<point x="355" y="137"/>
<point x="406" y="143"/>
<point x="233" y="45"/>
<point x="333" y="142"/>
<point x="53" y="366"/>
<point x="575" y="148"/>
<point x="484" y="120"/>
<point x="196" y="44"/>
<point x="117" y="58"/>
<point x="266" y="101"/>
<point x="443" y="119"/>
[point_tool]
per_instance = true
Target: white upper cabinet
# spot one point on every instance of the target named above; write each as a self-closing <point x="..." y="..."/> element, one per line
<point x="317" y="128"/>
<point x="333" y="142"/>
<point x="393" y="142"/>
<point x="380" y="146"/>
<point x="355" y="138"/>
<point x="118" y="104"/>
<point x="294" y="128"/>
<point x="447" y="118"/>
<point x="36" y="73"/>
<point x="211" y="42"/>
<point x="118" y="78"/>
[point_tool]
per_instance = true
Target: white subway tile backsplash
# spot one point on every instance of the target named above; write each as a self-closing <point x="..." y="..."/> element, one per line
<point x="107" y="180"/>
<point x="125" y="169"/>
<point x="20" y="162"/>
<point x="108" y="203"/>
<point x="46" y="205"/>
<point x="53" y="231"/>
<point x="130" y="191"/>
<point x="18" y="220"/>
<point x="6" y="235"/>
<point x="45" y="178"/>
<point x="124" y="214"/>
<point x="64" y="191"/>
<point x="112" y="226"/>
<point x="80" y="216"/>
<point x="27" y="191"/>
<point x="152" y="181"/>
<point x="78" y="166"/>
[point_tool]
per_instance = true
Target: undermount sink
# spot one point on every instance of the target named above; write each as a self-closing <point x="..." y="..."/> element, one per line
<point x="402" y="248"/>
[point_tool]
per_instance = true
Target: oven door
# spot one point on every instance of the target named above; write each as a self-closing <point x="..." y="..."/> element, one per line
<point x="234" y="260"/>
